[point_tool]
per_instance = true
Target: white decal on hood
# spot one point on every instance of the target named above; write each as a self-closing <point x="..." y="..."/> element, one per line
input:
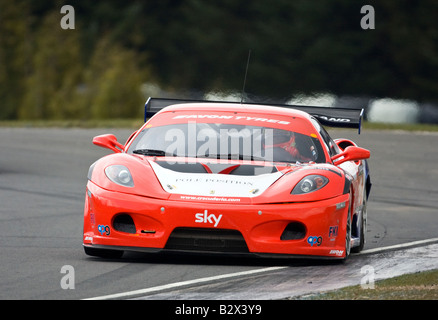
<point x="241" y="118"/>
<point x="208" y="184"/>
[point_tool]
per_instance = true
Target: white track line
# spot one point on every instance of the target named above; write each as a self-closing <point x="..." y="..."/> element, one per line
<point x="400" y="246"/>
<point x="243" y="273"/>
<point x="184" y="283"/>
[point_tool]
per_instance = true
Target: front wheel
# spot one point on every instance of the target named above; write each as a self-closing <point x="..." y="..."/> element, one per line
<point x="362" y="226"/>
<point x="348" y="231"/>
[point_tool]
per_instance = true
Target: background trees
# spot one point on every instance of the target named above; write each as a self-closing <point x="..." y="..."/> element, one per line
<point x="189" y="47"/>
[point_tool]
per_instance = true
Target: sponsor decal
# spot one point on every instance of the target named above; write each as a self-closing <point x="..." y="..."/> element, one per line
<point x="313" y="240"/>
<point x="333" y="231"/>
<point x="340" y="205"/>
<point x="243" y="118"/>
<point x="338" y="253"/>
<point x="203" y="198"/>
<point x="92" y="219"/>
<point x="104" y="230"/>
<point x="332" y="119"/>
<point x="208" y="180"/>
<point x="210" y="186"/>
<point x="205" y="217"/>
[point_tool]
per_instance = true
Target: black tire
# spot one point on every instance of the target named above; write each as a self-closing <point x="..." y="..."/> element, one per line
<point x="103" y="253"/>
<point x="348" y="232"/>
<point x="362" y="228"/>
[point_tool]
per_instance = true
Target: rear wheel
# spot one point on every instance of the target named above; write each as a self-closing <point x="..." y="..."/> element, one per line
<point x="103" y="253"/>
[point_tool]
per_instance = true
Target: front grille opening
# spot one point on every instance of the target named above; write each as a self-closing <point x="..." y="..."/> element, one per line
<point x="124" y="223"/>
<point x="294" y="231"/>
<point x="205" y="239"/>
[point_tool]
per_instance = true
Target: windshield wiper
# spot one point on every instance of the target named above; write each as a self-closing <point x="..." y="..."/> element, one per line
<point x="150" y="152"/>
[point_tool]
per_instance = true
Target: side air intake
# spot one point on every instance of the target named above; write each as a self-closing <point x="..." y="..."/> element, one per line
<point x="294" y="231"/>
<point x="124" y="223"/>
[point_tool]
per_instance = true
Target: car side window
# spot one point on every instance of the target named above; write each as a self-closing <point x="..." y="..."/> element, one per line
<point x="330" y="145"/>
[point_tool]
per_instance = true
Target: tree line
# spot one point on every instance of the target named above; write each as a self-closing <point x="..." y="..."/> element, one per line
<point x="102" y="68"/>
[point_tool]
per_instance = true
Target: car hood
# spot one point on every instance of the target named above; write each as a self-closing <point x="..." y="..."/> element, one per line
<point x="217" y="180"/>
<point x="214" y="183"/>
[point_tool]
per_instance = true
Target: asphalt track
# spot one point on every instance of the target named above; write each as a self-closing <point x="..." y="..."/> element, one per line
<point x="42" y="182"/>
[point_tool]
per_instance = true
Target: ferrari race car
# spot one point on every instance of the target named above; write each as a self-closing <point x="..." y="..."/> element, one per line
<point x="221" y="177"/>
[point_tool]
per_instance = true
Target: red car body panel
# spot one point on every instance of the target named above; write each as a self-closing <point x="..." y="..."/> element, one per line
<point x="258" y="214"/>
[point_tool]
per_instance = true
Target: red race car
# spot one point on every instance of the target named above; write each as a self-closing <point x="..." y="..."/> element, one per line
<point x="202" y="176"/>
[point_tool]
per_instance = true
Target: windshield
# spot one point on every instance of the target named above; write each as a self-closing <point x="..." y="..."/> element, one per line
<point x="228" y="141"/>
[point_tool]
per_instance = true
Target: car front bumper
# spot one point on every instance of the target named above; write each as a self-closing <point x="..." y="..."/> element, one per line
<point x="304" y="229"/>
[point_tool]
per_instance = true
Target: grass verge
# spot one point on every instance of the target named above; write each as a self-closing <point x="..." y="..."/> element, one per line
<point x="416" y="286"/>
<point x="422" y="127"/>
<point x="110" y="123"/>
<point x="136" y="123"/>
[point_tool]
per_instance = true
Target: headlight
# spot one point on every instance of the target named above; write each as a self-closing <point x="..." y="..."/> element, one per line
<point x="309" y="184"/>
<point x="119" y="174"/>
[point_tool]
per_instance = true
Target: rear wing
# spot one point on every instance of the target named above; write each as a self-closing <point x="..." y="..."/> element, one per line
<point x="332" y="117"/>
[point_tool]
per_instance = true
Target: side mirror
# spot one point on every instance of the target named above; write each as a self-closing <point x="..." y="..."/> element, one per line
<point x="108" y="141"/>
<point x="351" y="153"/>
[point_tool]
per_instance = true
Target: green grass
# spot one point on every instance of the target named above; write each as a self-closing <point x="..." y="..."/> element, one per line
<point x="400" y="126"/>
<point x="111" y="123"/>
<point x="416" y="286"/>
